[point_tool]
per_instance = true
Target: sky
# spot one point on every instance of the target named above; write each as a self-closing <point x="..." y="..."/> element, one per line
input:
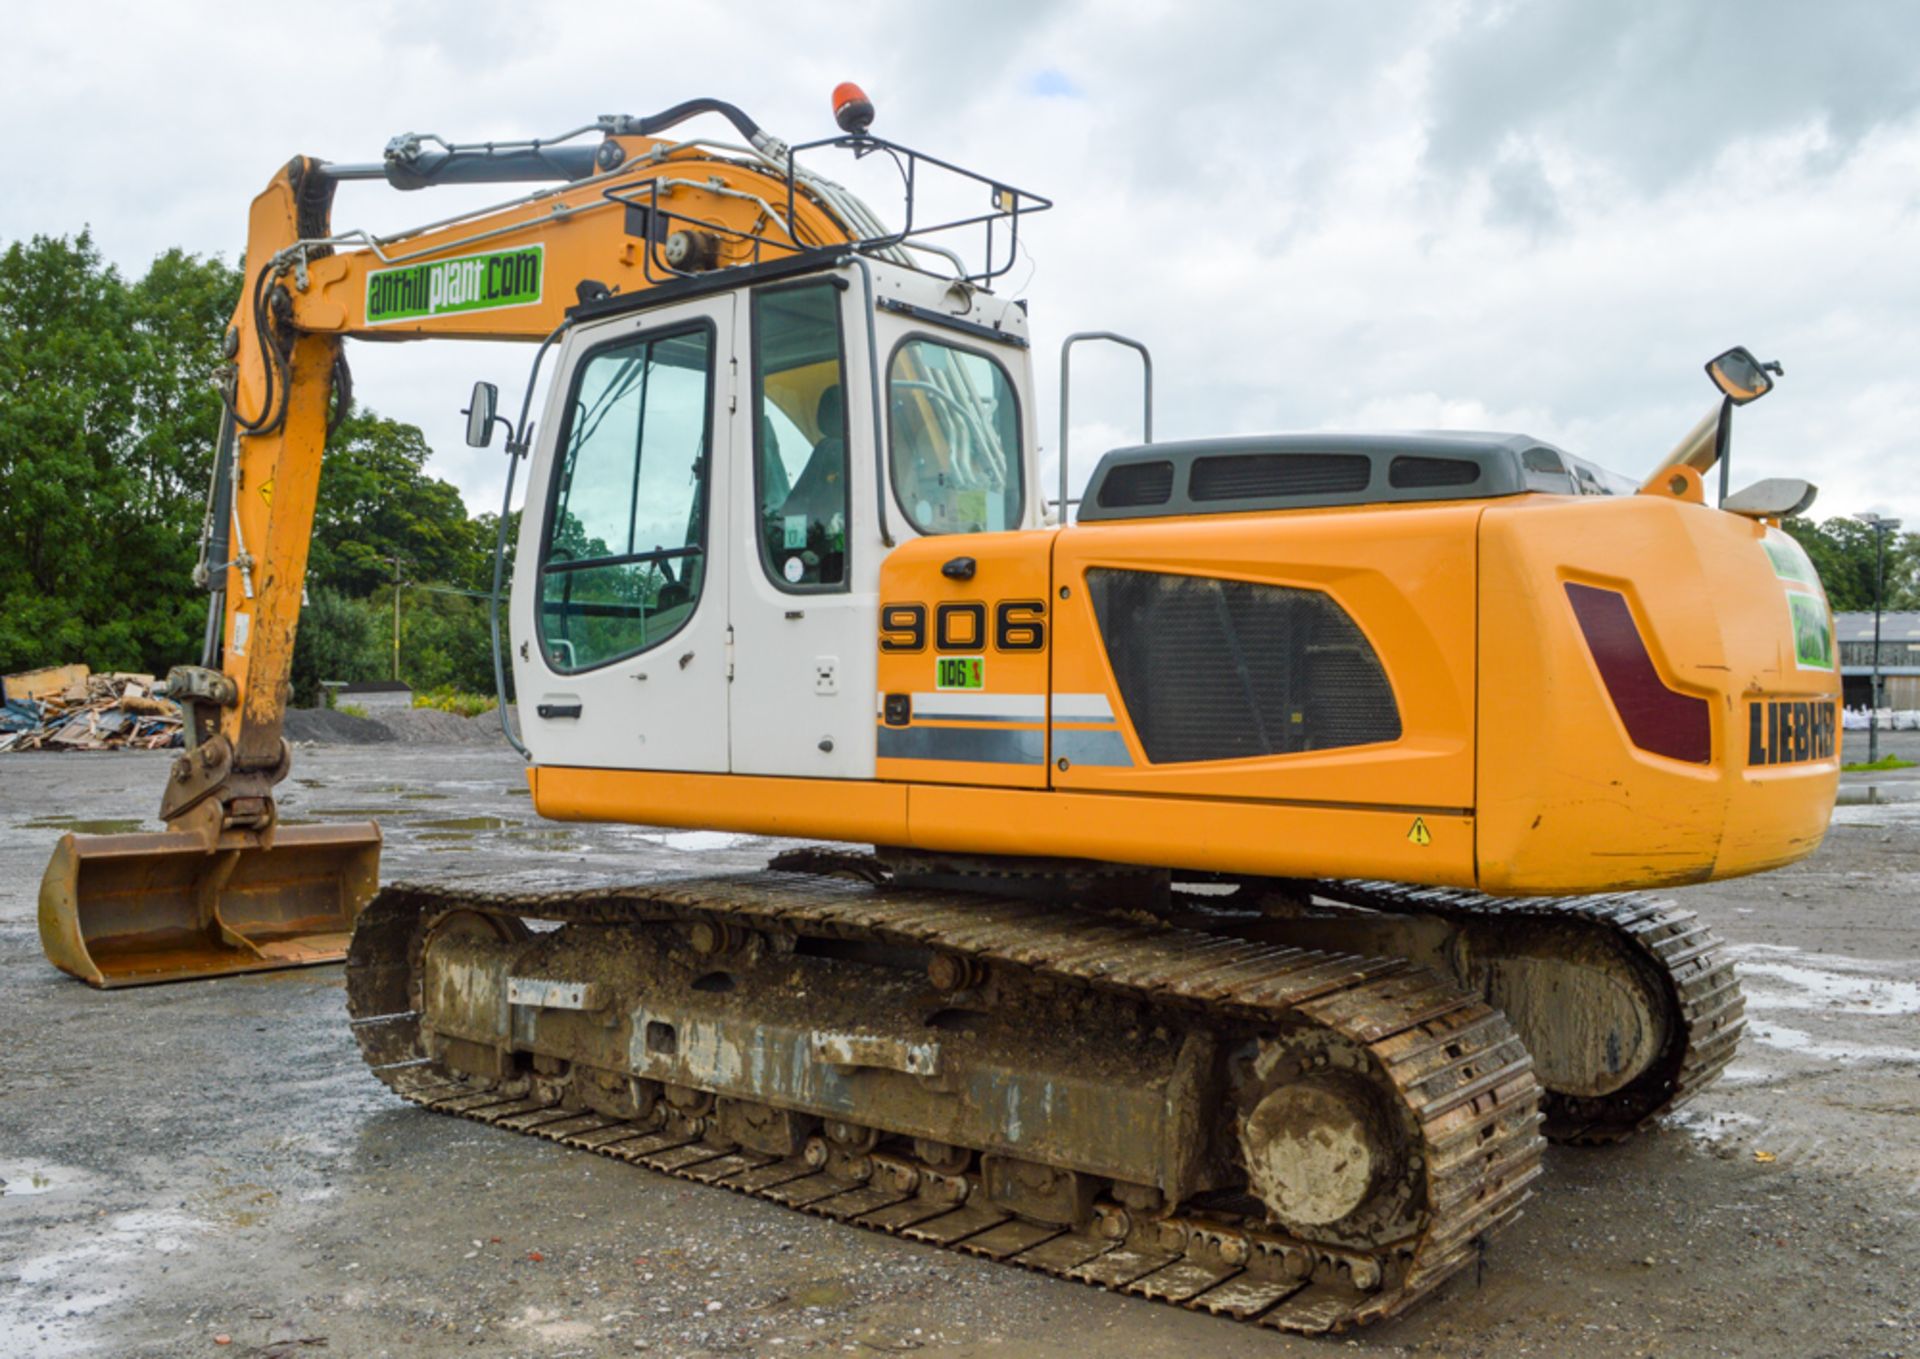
<point x="1534" y="217"/>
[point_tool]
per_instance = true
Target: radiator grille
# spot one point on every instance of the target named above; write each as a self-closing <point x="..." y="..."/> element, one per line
<point x="1248" y="476"/>
<point x="1138" y="483"/>
<point x="1407" y="473"/>
<point x="1224" y="670"/>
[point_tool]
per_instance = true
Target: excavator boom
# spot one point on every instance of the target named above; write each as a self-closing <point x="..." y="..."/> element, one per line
<point x="224" y="888"/>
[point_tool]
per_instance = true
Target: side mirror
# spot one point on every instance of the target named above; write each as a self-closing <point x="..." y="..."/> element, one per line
<point x="480" y="413"/>
<point x="1740" y="376"/>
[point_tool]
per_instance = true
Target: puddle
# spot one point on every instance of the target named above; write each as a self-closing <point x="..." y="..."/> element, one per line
<point x="546" y="841"/>
<point x="24" y="1179"/>
<point x="1885" y="811"/>
<point x="424" y="797"/>
<point x="109" y="826"/>
<point x="1712" y="1128"/>
<point x="90" y="1273"/>
<point x="464" y="837"/>
<point x="363" y="813"/>
<point x="470" y="823"/>
<point x="1877" y="794"/>
<point x="1804" y="1044"/>
<point x="1779" y="978"/>
<point x="694" y="842"/>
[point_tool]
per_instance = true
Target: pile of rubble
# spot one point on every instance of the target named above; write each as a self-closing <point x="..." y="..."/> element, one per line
<point x="70" y="708"/>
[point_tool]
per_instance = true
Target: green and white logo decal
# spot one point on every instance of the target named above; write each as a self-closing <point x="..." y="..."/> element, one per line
<point x="1806" y="601"/>
<point x="1790" y="560"/>
<point x="484" y="282"/>
<point x="1812" y="632"/>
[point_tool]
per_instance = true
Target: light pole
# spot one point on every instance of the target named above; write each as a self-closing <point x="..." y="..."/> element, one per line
<point x="1881" y="527"/>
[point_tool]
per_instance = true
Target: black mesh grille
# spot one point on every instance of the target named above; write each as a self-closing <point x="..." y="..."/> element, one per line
<point x="1248" y="476"/>
<point x="1138" y="483"/>
<point x="1224" y="669"/>
<point x="1416" y="472"/>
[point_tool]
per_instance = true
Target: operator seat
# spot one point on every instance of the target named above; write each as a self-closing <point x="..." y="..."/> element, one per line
<point x="820" y="492"/>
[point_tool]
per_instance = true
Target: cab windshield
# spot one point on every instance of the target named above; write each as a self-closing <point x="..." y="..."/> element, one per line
<point x="953" y="439"/>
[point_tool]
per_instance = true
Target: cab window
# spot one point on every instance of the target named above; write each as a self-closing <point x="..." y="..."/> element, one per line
<point x="800" y="436"/>
<point x="626" y="529"/>
<point x="953" y="439"/>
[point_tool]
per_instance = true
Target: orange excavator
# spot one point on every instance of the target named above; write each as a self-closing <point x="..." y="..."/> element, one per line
<point x="1230" y="883"/>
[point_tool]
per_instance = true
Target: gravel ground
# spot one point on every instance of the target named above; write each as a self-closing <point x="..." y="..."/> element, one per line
<point x="409" y="726"/>
<point x="187" y="1163"/>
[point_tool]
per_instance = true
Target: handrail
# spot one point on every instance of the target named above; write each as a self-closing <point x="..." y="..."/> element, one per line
<point x="1066" y="349"/>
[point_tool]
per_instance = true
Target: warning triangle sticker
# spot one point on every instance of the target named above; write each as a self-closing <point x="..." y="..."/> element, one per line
<point x="1420" y="835"/>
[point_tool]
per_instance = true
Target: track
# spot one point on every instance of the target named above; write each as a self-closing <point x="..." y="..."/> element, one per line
<point x="1463" y="1083"/>
<point x="1706" y="1009"/>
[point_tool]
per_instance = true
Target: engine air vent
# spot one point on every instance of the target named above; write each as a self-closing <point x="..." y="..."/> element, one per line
<point x="1138" y="483"/>
<point x="1251" y="473"/>
<point x="1225" y="669"/>
<point x="1408" y="473"/>
<point x="1249" y="476"/>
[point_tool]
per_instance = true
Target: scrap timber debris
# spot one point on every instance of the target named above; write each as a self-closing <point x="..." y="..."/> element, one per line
<point x="70" y="708"/>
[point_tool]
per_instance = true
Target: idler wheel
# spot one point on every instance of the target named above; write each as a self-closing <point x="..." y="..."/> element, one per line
<point x="1313" y="1149"/>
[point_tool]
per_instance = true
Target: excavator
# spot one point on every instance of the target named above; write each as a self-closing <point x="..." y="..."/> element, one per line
<point x="1219" y="893"/>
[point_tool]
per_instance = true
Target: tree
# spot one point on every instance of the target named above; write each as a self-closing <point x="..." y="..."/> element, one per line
<point x="338" y="639"/>
<point x="1843" y="552"/>
<point x="108" y="417"/>
<point x="107" y="423"/>
<point x="376" y="502"/>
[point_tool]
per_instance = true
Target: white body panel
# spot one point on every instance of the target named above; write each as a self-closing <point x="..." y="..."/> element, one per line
<point x="665" y="707"/>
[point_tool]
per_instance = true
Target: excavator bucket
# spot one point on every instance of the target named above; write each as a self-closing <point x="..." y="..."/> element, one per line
<point x="129" y="910"/>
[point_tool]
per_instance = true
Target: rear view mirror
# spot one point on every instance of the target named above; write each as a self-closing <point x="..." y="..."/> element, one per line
<point x="1740" y="376"/>
<point x="486" y="399"/>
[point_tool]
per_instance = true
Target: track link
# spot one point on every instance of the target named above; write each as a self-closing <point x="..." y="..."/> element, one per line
<point x="1706" y="1010"/>
<point x="1456" y="1065"/>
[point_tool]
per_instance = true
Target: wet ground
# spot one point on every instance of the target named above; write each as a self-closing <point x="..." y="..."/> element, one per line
<point x="191" y="1165"/>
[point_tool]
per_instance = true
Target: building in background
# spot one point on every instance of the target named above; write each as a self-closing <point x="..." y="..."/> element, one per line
<point x="1899" y="659"/>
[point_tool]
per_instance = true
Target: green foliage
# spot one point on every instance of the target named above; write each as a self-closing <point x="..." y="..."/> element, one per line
<point x="1843" y="552"/>
<point x="338" y="639"/>
<point x="108" y="416"/>
<point x="1875" y="766"/>
<point x="445" y="642"/>
<point x="377" y="502"/>
<point x="106" y="434"/>
<point x="447" y="699"/>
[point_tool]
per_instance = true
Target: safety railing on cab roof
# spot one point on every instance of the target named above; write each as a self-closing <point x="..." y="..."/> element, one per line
<point x="656" y="224"/>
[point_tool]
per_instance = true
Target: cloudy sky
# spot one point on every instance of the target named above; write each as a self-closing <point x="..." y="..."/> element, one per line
<point x="1517" y="216"/>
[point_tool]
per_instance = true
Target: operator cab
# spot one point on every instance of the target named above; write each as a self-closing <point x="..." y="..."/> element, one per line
<point x="717" y="481"/>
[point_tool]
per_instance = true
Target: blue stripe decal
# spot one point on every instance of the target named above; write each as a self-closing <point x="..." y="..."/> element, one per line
<point x="1104" y="747"/>
<point x="998" y="745"/>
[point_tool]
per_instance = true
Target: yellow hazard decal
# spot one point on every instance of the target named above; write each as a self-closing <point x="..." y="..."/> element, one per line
<point x="266" y="492"/>
<point x="1420" y="835"/>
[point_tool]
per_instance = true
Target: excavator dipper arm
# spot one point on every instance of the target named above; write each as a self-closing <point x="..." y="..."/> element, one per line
<point x="224" y="889"/>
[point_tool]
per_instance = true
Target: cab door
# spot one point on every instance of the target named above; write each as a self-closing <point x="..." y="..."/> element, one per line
<point x="808" y="550"/>
<point x="620" y="636"/>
